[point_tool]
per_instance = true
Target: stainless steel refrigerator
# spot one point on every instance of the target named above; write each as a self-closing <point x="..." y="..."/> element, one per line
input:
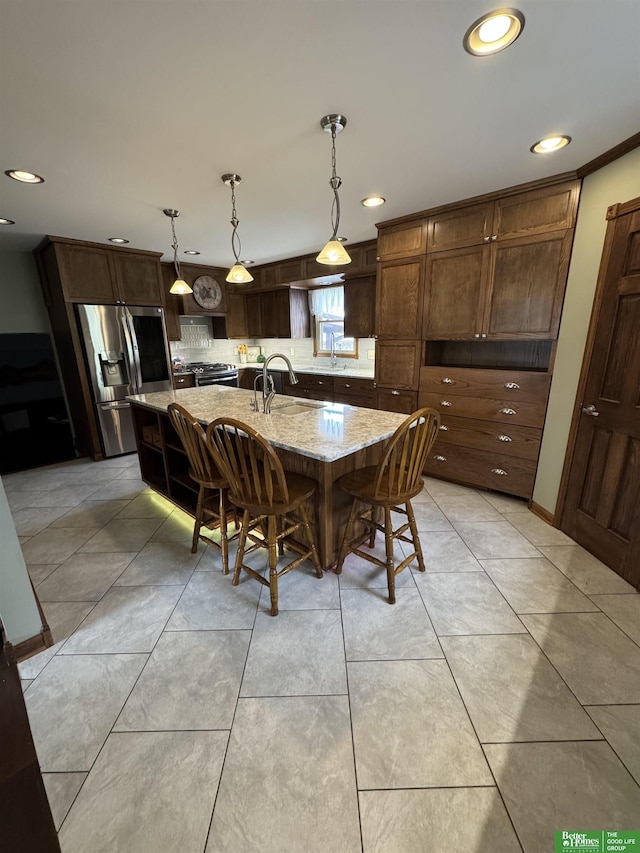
<point x="126" y="353"/>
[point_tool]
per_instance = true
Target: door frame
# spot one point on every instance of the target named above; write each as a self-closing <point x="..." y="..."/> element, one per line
<point x="613" y="212"/>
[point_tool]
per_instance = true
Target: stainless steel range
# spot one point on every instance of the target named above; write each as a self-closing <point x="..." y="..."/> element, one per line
<point x="214" y="374"/>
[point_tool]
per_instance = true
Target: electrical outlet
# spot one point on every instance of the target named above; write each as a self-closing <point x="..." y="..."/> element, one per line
<point x="292" y="351"/>
<point x="371" y="354"/>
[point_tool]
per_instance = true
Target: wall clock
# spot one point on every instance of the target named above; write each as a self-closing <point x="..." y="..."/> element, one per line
<point x="207" y="292"/>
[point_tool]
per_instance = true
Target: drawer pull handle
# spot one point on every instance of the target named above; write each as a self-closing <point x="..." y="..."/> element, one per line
<point x="182" y="380"/>
<point x="512" y="386"/>
<point x="508" y="412"/>
<point x="346" y="385"/>
<point x="395" y="393"/>
<point x="445" y="403"/>
<point x="320" y="382"/>
<point x="444" y="428"/>
<point x="499" y="471"/>
<point x="439" y="458"/>
<point x="504" y="438"/>
<point x="447" y="381"/>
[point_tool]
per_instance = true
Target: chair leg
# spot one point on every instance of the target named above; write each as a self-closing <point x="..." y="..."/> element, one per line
<point x="344" y="548"/>
<point x="311" y="541"/>
<point x="281" y="541"/>
<point x="388" y="542"/>
<point x="272" y="528"/>
<point x="198" y="521"/>
<point x="374" y="518"/>
<point x="417" y="547"/>
<point x="224" y="542"/>
<point x="242" y="538"/>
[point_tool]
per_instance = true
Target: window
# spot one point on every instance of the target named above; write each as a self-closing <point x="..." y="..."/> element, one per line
<point x="327" y="309"/>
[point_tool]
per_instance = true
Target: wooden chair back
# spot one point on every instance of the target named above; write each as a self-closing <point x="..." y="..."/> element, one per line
<point x="248" y="462"/>
<point x="193" y="439"/>
<point x="399" y="473"/>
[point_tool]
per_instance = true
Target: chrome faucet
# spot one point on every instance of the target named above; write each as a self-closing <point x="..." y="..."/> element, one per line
<point x="268" y="395"/>
<point x="333" y="361"/>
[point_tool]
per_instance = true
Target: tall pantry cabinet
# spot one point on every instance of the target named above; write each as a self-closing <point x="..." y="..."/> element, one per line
<point x="491" y="276"/>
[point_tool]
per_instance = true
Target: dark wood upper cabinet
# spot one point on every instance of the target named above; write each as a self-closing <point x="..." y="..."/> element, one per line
<point x="282" y="313"/>
<point x="236" y="316"/>
<point x="527" y="286"/>
<point x="535" y="212"/>
<point x="399" y="294"/>
<point x="398" y="364"/>
<point x="455" y="229"/>
<point x="359" y="306"/>
<point x="86" y="273"/>
<point x="455" y="293"/>
<point x="402" y="241"/>
<point x="138" y="279"/>
<point x="254" y="315"/>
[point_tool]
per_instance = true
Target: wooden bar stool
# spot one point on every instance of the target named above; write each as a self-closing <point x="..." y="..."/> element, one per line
<point x="268" y="498"/>
<point x="389" y="486"/>
<point x="212" y="504"/>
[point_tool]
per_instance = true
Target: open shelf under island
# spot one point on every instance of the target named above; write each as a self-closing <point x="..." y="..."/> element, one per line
<point x="323" y="441"/>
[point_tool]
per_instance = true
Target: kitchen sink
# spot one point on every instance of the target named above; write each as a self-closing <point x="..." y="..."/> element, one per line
<point x="295" y="409"/>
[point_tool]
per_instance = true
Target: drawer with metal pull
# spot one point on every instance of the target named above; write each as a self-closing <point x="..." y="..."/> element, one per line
<point x="502" y="411"/>
<point x="183" y="380"/>
<point x="353" y="385"/>
<point x="482" y="468"/>
<point x="514" y="386"/>
<point x="510" y="439"/>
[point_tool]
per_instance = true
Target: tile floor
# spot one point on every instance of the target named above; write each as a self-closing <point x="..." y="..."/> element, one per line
<point x="496" y="702"/>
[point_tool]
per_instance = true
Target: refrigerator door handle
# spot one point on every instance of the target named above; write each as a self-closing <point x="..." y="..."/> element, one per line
<point x="119" y="405"/>
<point x="134" y="362"/>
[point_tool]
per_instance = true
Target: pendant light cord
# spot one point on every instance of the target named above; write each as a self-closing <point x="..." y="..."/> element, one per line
<point x="174" y="246"/>
<point x="335" y="183"/>
<point x="235" y="237"/>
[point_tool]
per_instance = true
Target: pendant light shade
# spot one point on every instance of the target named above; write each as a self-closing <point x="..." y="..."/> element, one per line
<point x="334" y="253"/>
<point x="238" y="274"/>
<point x="179" y="286"/>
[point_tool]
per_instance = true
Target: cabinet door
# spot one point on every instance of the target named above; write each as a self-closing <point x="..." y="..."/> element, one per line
<point x="297" y="307"/>
<point x="528" y="281"/>
<point x="547" y="209"/>
<point x="398" y="364"/>
<point x="255" y="324"/>
<point x="139" y="279"/>
<point x="236" y="316"/>
<point x="399" y="288"/>
<point x="402" y="241"/>
<point x="455" y="293"/>
<point x="86" y="273"/>
<point x="359" y="307"/>
<point x="455" y="229"/>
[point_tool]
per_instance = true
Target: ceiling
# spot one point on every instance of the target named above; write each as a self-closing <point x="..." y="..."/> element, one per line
<point x="126" y="107"/>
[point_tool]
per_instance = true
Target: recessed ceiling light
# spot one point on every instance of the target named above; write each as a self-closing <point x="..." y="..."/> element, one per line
<point x="493" y="32"/>
<point x="118" y="240"/>
<point x="191" y="252"/>
<point x="4" y="221"/>
<point x="549" y="144"/>
<point x="373" y="201"/>
<point x="25" y="177"/>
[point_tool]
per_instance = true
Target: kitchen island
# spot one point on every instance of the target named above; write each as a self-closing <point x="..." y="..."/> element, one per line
<point x="321" y="440"/>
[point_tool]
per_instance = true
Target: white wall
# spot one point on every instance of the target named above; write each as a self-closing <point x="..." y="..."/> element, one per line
<point x="22" y="307"/>
<point x="617" y="182"/>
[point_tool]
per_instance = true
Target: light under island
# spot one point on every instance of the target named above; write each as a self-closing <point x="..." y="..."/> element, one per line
<point x="321" y="440"/>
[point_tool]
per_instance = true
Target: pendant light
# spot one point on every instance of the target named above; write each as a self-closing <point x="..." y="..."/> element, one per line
<point x="238" y="274"/>
<point x="334" y="253"/>
<point x="179" y="286"/>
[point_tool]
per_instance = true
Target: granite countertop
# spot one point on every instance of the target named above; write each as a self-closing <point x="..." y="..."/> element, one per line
<point x="353" y="372"/>
<point x="327" y="431"/>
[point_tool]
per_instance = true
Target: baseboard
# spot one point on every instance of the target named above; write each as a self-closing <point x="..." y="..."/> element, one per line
<point x="29" y="647"/>
<point x="542" y="513"/>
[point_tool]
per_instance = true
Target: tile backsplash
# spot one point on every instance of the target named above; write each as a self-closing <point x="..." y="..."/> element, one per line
<point x="198" y="344"/>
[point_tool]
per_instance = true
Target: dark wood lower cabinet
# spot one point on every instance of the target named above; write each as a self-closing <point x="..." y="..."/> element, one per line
<point x="396" y="400"/>
<point x="483" y="468"/>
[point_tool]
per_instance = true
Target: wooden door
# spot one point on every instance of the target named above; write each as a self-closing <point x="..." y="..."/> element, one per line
<point x="86" y="273"/>
<point x="139" y="279"/>
<point x="602" y="505"/>
<point x="236" y="316"/>
<point x="455" y="293"/>
<point x="255" y="324"/>
<point x="403" y="240"/>
<point x="534" y="212"/>
<point x="399" y="288"/>
<point x="527" y="284"/>
<point x="398" y="364"/>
